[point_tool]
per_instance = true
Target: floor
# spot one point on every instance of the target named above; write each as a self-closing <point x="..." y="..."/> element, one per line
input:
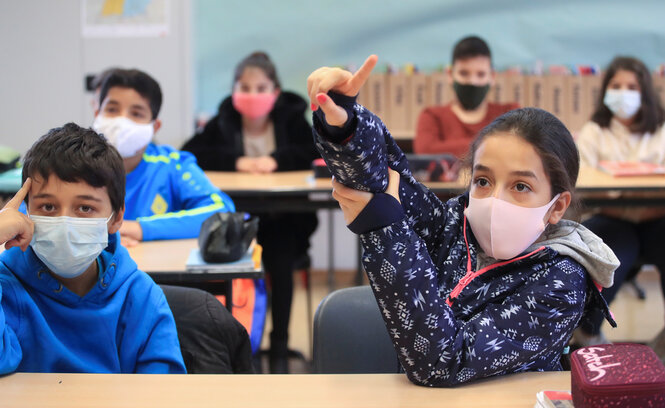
<point x="638" y="320"/>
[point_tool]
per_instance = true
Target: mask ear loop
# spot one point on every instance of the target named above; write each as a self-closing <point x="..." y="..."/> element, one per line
<point x="551" y="204"/>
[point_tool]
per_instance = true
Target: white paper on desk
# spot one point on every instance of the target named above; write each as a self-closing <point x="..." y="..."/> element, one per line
<point x="195" y="263"/>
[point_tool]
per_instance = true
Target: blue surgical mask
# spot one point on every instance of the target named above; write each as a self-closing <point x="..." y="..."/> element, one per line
<point x="68" y="245"/>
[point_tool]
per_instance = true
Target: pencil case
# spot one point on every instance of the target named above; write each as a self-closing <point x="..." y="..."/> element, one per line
<point x="623" y="375"/>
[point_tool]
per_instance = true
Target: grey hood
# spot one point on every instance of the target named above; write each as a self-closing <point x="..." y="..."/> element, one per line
<point x="576" y="241"/>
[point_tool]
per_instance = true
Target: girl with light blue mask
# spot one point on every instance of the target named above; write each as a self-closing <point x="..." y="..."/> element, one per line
<point x="627" y="126"/>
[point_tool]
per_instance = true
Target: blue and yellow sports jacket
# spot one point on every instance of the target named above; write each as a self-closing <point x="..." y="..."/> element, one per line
<point x="170" y="196"/>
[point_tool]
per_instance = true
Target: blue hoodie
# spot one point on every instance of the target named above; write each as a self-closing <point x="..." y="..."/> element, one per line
<point x="170" y="196"/>
<point x="122" y="325"/>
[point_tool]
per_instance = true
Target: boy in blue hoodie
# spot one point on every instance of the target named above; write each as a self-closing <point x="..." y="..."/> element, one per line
<point x="74" y="301"/>
<point x="168" y="195"/>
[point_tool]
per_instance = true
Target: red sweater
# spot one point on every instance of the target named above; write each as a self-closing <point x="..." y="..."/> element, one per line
<point x="440" y="130"/>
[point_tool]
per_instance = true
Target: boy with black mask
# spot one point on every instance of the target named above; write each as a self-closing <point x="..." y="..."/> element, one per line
<point x="451" y="128"/>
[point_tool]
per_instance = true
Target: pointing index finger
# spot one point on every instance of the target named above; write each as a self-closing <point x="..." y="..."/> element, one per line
<point x="363" y="72"/>
<point x="20" y="195"/>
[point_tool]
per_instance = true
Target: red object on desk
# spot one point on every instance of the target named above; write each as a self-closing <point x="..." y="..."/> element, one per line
<point x="320" y="169"/>
<point x="617" y="375"/>
<point x="624" y="168"/>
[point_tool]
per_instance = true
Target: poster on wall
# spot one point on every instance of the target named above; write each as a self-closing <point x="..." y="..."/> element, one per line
<point x="124" y="18"/>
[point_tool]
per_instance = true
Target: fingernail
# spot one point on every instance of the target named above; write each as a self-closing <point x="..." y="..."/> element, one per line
<point x="321" y="98"/>
<point x="313" y="107"/>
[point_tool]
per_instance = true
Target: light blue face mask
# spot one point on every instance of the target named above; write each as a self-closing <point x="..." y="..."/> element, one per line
<point x="68" y="245"/>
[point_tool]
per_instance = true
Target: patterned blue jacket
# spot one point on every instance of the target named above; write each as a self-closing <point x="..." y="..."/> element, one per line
<point x="453" y="314"/>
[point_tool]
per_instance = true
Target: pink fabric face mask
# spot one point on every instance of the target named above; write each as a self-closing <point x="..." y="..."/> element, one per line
<point x="254" y="105"/>
<point x="505" y="230"/>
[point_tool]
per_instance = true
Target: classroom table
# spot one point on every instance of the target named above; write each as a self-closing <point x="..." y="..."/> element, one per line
<point x="306" y="390"/>
<point x="165" y="262"/>
<point x="300" y="191"/>
<point x="276" y="191"/>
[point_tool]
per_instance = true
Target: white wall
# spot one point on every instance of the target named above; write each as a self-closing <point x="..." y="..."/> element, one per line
<point x="45" y="60"/>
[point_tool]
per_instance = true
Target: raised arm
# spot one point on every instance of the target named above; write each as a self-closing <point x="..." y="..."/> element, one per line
<point x="359" y="150"/>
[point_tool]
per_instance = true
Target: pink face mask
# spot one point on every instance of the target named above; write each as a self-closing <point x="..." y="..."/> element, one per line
<point x="505" y="230"/>
<point x="254" y="105"/>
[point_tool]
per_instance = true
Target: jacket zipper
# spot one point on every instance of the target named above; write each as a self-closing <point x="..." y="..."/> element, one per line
<point x="470" y="275"/>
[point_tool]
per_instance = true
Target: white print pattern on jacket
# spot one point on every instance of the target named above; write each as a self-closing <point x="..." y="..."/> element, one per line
<point x="518" y="317"/>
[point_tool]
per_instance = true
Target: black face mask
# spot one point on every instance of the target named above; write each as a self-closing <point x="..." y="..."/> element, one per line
<point x="470" y="96"/>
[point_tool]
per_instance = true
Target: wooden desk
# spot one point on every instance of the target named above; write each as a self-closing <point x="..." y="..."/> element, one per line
<point x="267" y="191"/>
<point x="165" y="262"/>
<point x="313" y="390"/>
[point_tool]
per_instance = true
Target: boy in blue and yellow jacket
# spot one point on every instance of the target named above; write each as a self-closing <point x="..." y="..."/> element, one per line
<point x="168" y="195"/>
<point x="73" y="300"/>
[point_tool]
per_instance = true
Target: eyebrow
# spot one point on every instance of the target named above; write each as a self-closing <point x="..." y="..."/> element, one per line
<point x="88" y="197"/>
<point x="524" y="173"/>
<point x="521" y="173"/>
<point x="81" y="197"/>
<point x="135" y="106"/>
<point x="139" y="107"/>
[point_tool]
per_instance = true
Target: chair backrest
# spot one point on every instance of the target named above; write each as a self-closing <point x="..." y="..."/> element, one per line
<point x="212" y="341"/>
<point x="350" y="336"/>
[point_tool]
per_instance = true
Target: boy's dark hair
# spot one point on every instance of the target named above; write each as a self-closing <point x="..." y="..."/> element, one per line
<point x="650" y="115"/>
<point x="144" y="84"/>
<point x="551" y="140"/>
<point x="99" y="79"/>
<point x="469" y="47"/>
<point x="261" y="60"/>
<point x="74" y="154"/>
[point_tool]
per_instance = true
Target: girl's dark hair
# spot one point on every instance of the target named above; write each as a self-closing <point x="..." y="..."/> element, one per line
<point x="650" y="115"/>
<point x="261" y="60"/>
<point x="72" y="154"/>
<point x="548" y="136"/>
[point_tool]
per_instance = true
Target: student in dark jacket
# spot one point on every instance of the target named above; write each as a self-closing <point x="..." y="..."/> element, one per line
<point x="488" y="283"/>
<point x="262" y="129"/>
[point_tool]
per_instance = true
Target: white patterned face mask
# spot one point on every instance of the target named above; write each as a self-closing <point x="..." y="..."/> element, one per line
<point x="124" y="134"/>
<point x="68" y="245"/>
<point x="624" y="103"/>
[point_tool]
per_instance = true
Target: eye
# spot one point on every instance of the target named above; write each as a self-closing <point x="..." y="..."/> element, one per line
<point x="138" y="115"/>
<point x="47" y="207"/>
<point x="85" y="209"/>
<point x="522" y="188"/>
<point x="481" y="182"/>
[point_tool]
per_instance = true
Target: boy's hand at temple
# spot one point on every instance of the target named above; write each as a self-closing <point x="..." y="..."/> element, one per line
<point x="16" y="228"/>
<point x="339" y="81"/>
<point x="352" y="202"/>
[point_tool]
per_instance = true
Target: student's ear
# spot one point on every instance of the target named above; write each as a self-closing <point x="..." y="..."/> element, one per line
<point x="449" y="74"/>
<point x="492" y="78"/>
<point x="559" y="208"/>
<point x="156" y="125"/>
<point x="116" y="222"/>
